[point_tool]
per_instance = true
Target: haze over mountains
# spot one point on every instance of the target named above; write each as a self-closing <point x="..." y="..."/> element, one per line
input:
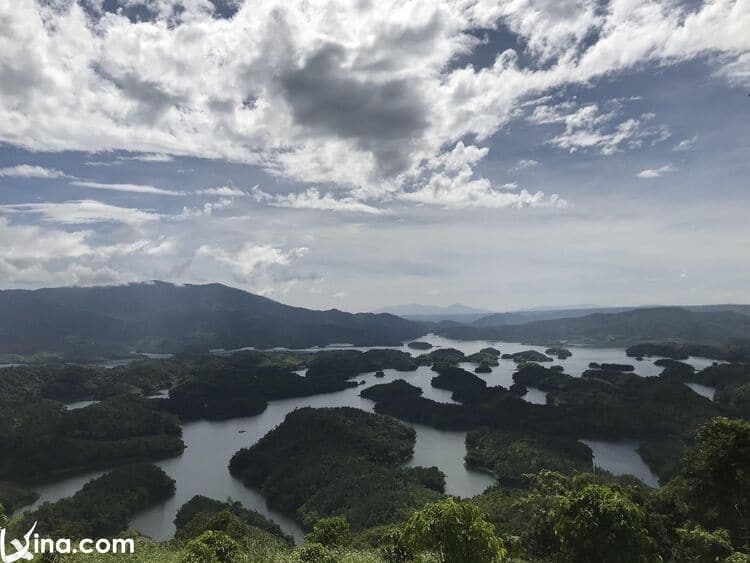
<point x="456" y="312"/>
<point x="162" y="317"/>
<point x="716" y="325"/>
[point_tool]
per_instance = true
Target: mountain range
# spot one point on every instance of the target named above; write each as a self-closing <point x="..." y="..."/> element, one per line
<point x="709" y="324"/>
<point x="106" y="321"/>
<point x="159" y="316"/>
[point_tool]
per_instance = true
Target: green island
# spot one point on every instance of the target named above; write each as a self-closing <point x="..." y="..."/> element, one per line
<point x="327" y="462"/>
<point x="570" y="516"/>
<point x="346" y="476"/>
<point x="360" y="281"/>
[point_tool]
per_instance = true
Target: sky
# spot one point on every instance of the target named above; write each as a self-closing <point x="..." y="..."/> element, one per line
<point x="359" y="154"/>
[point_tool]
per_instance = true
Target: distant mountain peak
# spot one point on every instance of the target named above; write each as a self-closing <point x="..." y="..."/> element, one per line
<point x="161" y="316"/>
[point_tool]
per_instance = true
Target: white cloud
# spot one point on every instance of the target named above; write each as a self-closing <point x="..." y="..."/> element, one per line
<point x="82" y="212"/>
<point x="145" y="157"/>
<point x="224" y="191"/>
<point x="35" y="255"/>
<point x="29" y="171"/>
<point x="312" y="199"/>
<point x="250" y="259"/>
<point x="450" y="183"/>
<point x="134" y="188"/>
<point x="656" y="172"/>
<point x="338" y="91"/>
<point x="737" y="70"/>
<point x="553" y="27"/>
<point x="461" y="191"/>
<point x="149" y="157"/>
<point x="207" y="210"/>
<point x="524" y="164"/>
<point x="34" y="244"/>
<point x="587" y="127"/>
<point x="686" y="144"/>
<point x="160" y="247"/>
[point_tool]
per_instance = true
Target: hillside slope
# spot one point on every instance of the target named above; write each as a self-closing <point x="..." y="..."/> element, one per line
<point x="527" y="316"/>
<point x="160" y="316"/>
<point x="620" y="328"/>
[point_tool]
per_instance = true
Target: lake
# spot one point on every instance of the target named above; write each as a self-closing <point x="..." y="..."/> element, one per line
<point x="703" y="390"/>
<point x="202" y="468"/>
<point x="621" y="458"/>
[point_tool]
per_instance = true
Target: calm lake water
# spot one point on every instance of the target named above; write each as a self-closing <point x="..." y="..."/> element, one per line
<point x="78" y="405"/>
<point x="621" y="458"/>
<point x="202" y="468"/>
<point x="703" y="390"/>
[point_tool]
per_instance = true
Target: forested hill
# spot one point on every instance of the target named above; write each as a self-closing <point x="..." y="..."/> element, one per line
<point x="620" y="329"/>
<point x="160" y="316"/>
<point x="531" y="315"/>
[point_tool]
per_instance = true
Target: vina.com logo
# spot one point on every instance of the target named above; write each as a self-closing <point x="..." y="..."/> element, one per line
<point x="33" y="544"/>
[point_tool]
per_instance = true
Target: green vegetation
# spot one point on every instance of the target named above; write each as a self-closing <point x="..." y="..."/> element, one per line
<point x="212" y="547"/>
<point x="675" y="366"/>
<point x="699" y="516"/>
<point x="511" y="455"/>
<point x="211" y="531"/>
<point x="447" y="356"/>
<point x="621" y="368"/>
<point x="599" y="523"/>
<point x="730" y="350"/>
<point x="455" y="532"/>
<point x="340" y="472"/>
<point x="103" y="507"/>
<point x="601" y="404"/>
<point x="216" y="387"/>
<point x="343" y="364"/>
<point x="14" y="496"/>
<point x="713" y="487"/>
<point x="41" y="439"/>
<point x="465" y="385"/>
<point x="664" y="455"/>
<point x="331" y="532"/>
<point x="85" y="322"/>
<point x="527" y="356"/>
<point x="418" y="345"/>
<point x="558" y="351"/>
<point x="200" y="511"/>
<point x="719" y="328"/>
<point x="67" y="383"/>
<point x="332" y="462"/>
<point x="483" y="359"/>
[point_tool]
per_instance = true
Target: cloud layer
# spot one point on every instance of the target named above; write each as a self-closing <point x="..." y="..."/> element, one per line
<point x="261" y="142"/>
<point x="361" y="95"/>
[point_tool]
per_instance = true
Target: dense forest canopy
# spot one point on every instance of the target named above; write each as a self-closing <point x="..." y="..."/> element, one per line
<point x="83" y="322"/>
<point x="342" y="475"/>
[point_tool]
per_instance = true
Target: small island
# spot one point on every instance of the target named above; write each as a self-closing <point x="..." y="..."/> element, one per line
<point x="560" y="352"/>
<point x="419" y="345"/>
